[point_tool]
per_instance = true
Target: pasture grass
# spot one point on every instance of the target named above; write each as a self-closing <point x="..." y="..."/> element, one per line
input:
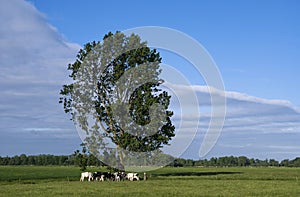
<point x="194" y="181"/>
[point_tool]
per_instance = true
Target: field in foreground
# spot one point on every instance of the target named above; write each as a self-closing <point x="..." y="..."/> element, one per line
<point x="64" y="181"/>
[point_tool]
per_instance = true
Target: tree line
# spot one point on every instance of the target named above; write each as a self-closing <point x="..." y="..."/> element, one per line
<point x="231" y="161"/>
<point x="47" y="159"/>
<point x="90" y="160"/>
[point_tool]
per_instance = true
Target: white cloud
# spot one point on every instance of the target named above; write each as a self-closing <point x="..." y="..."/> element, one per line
<point x="242" y="110"/>
<point x="33" y="62"/>
<point x="52" y="132"/>
<point x="284" y="147"/>
<point x="251" y="124"/>
<point x="31" y="50"/>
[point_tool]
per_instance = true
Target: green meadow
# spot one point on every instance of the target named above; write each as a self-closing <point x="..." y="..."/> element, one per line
<point x="169" y="181"/>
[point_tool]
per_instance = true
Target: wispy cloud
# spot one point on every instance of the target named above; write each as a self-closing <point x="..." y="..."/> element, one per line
<point x="251" y="123"/>
<point x="33" y="62"/>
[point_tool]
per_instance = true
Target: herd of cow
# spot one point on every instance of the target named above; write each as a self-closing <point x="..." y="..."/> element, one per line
<point x="108" y="176"/>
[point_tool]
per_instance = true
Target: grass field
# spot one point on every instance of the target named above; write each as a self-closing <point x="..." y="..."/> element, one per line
<point x="64" y="181"/>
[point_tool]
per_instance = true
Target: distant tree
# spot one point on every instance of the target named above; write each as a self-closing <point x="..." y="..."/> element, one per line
<point x="252" y="162"/>
<point x="122" y="77"/>
<point x="205" y="162"/>
<point x="295" y="162"/>
<point x="222" y="161"/>
<point x="15" y="160"/>
<point x="31" y="160"/>
<point x="273" y="162"/>
<point x="178" y="163"/>
<point x="285" y="163"/>
<point x="81" y="158"/>
<point x="63" y="160"/>
<point x="243" y="161"/>
<point x="189" y="162"/>
<point x="213" y="161"/>
<point x="23" y="159"/>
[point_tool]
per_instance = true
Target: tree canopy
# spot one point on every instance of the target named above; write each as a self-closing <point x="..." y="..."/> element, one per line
<point x="117" y="100"/>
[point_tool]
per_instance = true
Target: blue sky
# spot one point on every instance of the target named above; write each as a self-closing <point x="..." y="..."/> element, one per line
<point x="254" y="43"/>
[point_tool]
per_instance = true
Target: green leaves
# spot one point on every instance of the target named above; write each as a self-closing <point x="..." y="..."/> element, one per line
<point x="115" y="94"/>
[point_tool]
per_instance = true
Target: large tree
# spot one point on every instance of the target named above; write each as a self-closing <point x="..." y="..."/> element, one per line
<point x="115" y="98"/>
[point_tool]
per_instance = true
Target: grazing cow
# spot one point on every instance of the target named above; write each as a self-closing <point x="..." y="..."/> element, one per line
<point x="87" y="175"/>
<point x="133" y="176"/>
<point x="122" y="176"/>
<point x="102" y="178"/>
<point x="117" y="176"/>
<point x="98" y="176"/>
<point x="108" y="176"/>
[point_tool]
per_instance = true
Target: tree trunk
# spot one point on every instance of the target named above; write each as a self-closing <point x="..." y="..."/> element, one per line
<point x="120" y="159"/>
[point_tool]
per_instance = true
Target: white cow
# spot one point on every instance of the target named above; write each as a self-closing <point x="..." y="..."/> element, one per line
<point x="132" y="176"/>
<point x="102" y="178"/>
<point x="87" y="175"/>
<point x="117" y="176"/>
